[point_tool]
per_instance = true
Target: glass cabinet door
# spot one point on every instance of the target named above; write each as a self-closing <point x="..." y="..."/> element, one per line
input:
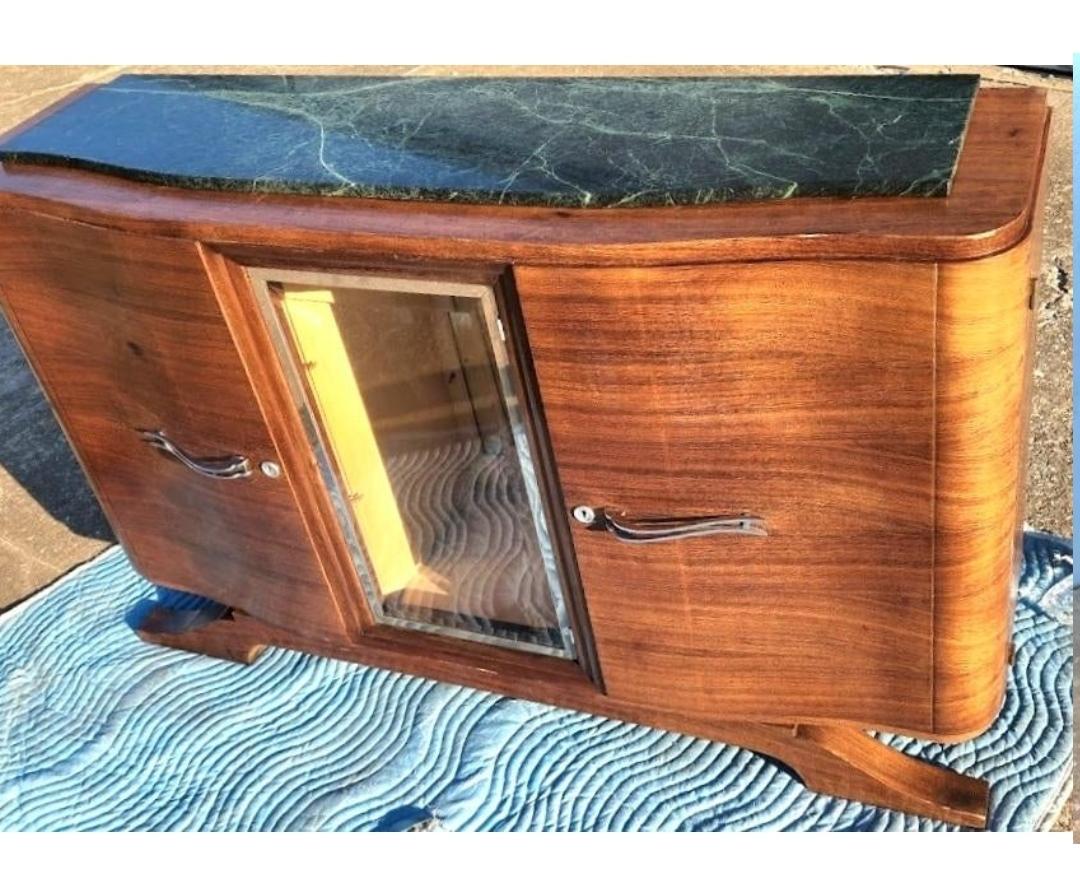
<point x="414" y="413"/>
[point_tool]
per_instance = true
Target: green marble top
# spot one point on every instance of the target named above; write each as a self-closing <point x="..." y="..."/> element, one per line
<point x="580" y="142"/>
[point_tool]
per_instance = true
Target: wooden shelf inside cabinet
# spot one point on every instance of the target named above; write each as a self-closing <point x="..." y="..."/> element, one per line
<point x="726" y="457"/>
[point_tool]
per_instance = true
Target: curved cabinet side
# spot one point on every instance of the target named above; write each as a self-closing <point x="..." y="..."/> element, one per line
<point x="982" y="386"/>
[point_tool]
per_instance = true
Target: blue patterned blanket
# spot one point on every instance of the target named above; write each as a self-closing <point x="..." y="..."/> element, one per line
<point x="99" y="731"/>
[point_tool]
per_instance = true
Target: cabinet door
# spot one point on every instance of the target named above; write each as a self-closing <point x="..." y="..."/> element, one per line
<point x="126" y="337"/>
<point x="416" y="420"/>
<point x="796" y="393"/>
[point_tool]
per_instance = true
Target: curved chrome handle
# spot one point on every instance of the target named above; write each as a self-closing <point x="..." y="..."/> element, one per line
<point x="223" y="468"/>
<point x="667" y="529"/>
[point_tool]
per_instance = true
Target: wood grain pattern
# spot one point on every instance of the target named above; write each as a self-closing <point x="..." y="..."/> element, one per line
<point x="843" y="435"/>
<point x="124" y="333"/>
<point x="989" y="210"/>
<point x="984" y="346"/>
<point x="798" y="392"/>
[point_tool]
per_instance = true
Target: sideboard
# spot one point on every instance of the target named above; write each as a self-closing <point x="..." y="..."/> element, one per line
<point x="699" y="403"/>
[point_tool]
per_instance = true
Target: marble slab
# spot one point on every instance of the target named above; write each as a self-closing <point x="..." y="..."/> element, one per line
<point x="573" y="142"/>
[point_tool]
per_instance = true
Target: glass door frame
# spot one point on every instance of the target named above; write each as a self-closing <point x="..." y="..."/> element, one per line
<point x="518" y="393"/>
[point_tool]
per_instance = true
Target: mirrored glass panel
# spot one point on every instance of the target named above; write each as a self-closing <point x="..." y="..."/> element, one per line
<point x="412" y="407"/>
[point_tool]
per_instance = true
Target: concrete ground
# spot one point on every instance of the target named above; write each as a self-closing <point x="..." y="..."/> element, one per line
<point x="49" y="521"/>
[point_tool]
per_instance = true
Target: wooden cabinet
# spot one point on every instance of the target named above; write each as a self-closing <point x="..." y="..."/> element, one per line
<point x="750" y="471"/>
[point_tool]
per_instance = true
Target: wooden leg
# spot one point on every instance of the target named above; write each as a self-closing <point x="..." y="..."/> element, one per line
<point x="849" y="763"/>
<point x="222" y="633"/>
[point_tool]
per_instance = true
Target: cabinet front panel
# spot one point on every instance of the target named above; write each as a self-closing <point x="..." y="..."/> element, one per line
<point x="126" y="337"/>
<point x="797" y="393"/>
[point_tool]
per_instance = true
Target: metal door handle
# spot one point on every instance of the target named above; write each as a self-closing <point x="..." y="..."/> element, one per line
<point x="223" y="468"/>
<point x="662" y="529"/>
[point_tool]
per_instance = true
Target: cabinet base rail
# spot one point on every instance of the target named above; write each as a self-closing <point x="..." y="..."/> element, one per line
<point x="837" y="760"/>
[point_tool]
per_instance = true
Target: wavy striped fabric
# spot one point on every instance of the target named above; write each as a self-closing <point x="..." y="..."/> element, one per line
<point x="99" y="731"/>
